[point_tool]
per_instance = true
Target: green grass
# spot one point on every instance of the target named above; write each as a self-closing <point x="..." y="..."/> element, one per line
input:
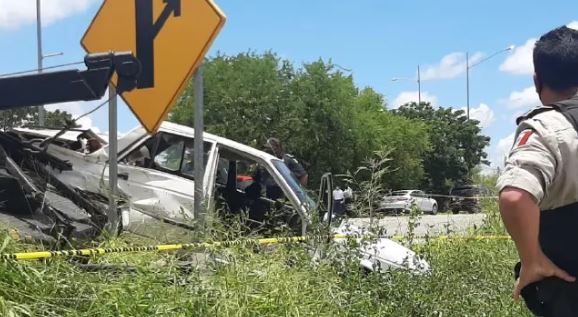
<point x="469" y="278"/>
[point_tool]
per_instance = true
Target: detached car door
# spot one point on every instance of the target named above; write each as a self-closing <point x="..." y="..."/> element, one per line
<point x="157" y="176"/>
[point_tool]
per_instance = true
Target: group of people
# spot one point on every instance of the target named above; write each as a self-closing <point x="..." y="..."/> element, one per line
<point x="341" y="199"/>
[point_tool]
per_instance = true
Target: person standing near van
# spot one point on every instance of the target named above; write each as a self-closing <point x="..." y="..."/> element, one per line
<point x="273" y="146"/>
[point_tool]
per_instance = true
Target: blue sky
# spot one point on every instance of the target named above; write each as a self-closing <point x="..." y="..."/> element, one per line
<point x="376" y="39"/>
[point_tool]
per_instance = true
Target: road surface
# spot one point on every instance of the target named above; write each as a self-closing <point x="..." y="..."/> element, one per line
<point x="442" y="224"/>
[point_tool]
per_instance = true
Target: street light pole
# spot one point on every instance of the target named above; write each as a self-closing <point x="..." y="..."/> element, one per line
<point x="413" y="79"/>
<point x="468" y="84"/>
<point x="468" y="66"/>
<point x="41" y="114"/>
<point x="418" y="86"/>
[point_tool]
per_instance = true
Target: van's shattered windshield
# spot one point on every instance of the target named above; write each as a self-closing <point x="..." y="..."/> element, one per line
<point x="294" y="184"/>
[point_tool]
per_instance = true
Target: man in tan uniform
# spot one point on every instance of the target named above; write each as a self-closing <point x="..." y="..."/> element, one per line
<point x="539" y="185"/>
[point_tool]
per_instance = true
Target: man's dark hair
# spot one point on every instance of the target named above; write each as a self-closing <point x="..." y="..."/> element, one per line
<point x="556" y="58"/>
<point x="274" y="146"/>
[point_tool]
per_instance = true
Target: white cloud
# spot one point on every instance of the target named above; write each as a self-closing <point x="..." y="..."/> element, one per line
<point x="86" y="123"/>
<point x="483" y="113"/>
<point x="502" y="149"/>
<point x="16" y="13"/>
<point x="451" y="66"/>
<point x="520" y="62"/>
<point x="78" y="108"/>
<point x="498" y="152"/>
<point x="412" y="96"/>
<point x="523" y="99"/>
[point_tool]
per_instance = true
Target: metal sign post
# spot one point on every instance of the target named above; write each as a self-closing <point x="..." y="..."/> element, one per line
<point x="113" y="220"/>
<point x="198" y="148"/>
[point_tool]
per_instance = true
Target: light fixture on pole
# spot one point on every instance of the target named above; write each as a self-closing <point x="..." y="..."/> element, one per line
<point x="468" y="66"/>
<point x="412" y="79"/>
<point x="52" y="55"/>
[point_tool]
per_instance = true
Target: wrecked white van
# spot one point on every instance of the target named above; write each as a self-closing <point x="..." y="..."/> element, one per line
<point x="155" y="179"/>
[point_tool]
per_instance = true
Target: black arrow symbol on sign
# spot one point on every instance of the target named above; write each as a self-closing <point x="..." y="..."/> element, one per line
<point x="172" y="7"/>
<point x="146" y="31"/>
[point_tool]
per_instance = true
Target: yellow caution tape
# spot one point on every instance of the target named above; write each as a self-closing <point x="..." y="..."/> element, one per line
<point x="164" y="247"/>
<point x="476" y="238"/>
<point x="39" y="255"/>
<point x="456" y="237"/>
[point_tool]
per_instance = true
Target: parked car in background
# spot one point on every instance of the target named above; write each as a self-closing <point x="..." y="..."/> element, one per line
<point x="404" y="200"/>
<point x="467" y="198"/>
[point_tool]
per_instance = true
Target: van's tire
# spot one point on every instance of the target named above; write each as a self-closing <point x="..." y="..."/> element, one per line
<point x="434" y="209"/>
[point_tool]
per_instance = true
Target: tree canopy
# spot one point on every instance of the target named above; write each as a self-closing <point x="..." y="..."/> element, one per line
<point x="329" y="123"/>
<point x="457" y="145"/>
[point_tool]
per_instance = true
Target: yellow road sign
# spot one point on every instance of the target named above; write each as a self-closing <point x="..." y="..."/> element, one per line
<point x="169" y="37"/>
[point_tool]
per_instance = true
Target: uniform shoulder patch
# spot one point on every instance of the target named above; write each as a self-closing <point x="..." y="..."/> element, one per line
<point x="523" y="138"/>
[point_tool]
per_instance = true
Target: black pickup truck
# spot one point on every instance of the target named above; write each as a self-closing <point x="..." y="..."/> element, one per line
<point x="467" y="198"/>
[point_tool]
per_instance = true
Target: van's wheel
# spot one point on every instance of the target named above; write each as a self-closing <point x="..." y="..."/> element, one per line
<point x="434" y="209"/>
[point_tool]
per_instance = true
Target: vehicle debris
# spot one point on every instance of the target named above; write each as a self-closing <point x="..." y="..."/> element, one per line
<point x="38" y="204"/>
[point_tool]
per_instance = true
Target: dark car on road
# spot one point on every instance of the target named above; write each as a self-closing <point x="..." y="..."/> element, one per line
<point x="467" y="198"/>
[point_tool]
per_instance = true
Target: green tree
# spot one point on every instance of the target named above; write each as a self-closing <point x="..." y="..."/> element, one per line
<point x="457" y="145"/>
<point x="407" y="139"/>
<point x="28" y="117"/>
<point x="316" y="110"/>
<point x="250" y="97"/>
<point x="322" y="100"/>
<point x="246" y="97"/>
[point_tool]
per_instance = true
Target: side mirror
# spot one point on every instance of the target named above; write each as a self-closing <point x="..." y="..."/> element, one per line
<point x="325" y="201"/>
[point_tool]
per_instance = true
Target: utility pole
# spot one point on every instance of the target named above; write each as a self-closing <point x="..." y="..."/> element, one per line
<point x="41" y="113"/>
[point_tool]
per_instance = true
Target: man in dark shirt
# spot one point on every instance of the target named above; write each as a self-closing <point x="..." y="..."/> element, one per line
<point x="273" y="146"/>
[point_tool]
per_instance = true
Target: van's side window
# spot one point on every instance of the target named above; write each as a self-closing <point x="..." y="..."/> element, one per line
<point x="168" y="153"/>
